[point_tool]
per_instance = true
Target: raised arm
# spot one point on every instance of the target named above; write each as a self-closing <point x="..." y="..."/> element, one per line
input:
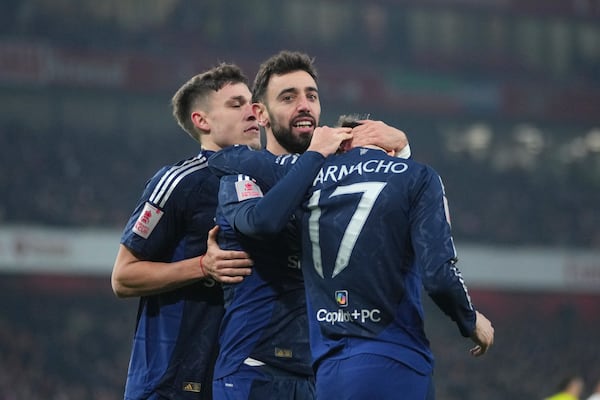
<point x="255" y="210"/>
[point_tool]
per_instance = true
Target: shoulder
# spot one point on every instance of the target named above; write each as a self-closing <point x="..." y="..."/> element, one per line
<point x="415" y="177"/>
<point x="240" y="159"/>
<point x="171" y="180"/>
<point x="421" y="170"/>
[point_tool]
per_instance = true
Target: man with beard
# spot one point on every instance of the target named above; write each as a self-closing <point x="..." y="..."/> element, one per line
<point x="264" y="333"/>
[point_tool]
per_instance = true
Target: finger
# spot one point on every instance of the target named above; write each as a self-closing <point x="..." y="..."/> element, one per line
<point x="231" y="279"/>
<point x="212" y="234"/>
<point x="235" y="264"/>
<point x="237" y="256"/>
<point x="476" y="351"/>
<point x="233" y="272"/>
<point x="346" y="136"/>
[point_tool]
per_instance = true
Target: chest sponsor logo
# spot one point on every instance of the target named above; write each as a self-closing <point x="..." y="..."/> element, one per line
<point x="147" y="220"/>
<point x="344" y="314"/>
<point x="341" y="298"/>
<point x="361" y="316"/>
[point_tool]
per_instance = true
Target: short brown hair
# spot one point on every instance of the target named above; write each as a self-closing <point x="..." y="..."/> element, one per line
<point x="198" y="88"/>
<point x="282" y="63"/>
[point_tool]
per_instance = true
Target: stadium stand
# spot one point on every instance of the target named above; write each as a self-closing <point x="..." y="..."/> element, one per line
<point x="500" y="97"/>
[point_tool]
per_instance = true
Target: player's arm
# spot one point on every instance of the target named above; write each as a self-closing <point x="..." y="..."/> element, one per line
<point x="241" y="159"/>
<point x="255" y="214"/>
<point x="268" y="214"/>
<point x="135" y="277"/>
<point x="434" y="248"/>
<point x="143" y="265"/>
<point x="379" y="133"/>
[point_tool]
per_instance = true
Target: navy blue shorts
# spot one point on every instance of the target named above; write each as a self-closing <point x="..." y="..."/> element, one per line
<point x="264" y="383"/>
<point x="370" y="376"/>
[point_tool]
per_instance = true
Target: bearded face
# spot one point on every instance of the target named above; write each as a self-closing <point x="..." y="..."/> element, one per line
<point x="294" y="135"/>
<point x="293" y="108"/>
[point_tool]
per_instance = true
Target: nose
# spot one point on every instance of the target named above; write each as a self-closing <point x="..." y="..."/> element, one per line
<point x="303" y="104"/>
<point x="250" y="115"/>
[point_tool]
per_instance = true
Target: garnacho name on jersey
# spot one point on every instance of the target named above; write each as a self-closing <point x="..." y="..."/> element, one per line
<point x="336" y="172"/>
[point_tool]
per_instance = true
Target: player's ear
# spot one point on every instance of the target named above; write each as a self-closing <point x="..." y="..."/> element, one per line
<point x="200" y="122"/>
<point x="260" y="111"/>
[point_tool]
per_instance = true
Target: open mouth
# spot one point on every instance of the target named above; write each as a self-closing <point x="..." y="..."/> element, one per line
<point x="303" y="124"/>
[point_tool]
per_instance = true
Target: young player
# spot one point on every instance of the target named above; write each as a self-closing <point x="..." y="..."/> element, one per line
<point x="164" y="247"/>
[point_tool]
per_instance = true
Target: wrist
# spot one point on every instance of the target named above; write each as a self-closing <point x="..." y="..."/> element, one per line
<point x="404" y="152"/>
<point x="201" y="263"/>
<point x="312" y="153"/>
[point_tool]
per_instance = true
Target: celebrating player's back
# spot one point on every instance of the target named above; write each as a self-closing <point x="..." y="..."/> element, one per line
<point x="375" y="229"/>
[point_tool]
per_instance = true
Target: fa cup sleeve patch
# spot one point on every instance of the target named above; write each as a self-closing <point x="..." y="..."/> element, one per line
<point x="247" y="189"/>
<point x="147" y="220"/>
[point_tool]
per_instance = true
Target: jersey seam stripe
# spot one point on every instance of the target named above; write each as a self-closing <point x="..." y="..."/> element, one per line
<point x="167" y="176"/>
<point x="173" y="185"/>
<point x="169" y="181"/>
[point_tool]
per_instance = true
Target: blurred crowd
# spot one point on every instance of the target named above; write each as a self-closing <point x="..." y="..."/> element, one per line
<point x="62" y="342"/>
<point x="84" y="179"/>
<point x="57" y="178"/>
<point x="70" y="341"/>
<point x="540" y="340"/>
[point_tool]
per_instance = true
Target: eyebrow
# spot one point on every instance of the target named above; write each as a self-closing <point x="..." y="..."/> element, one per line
<point x="241" y="99"/>
<point x="294" y="90"/>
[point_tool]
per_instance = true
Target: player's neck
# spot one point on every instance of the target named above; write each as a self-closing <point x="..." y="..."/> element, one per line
<point x="372" y="146"/>
<point x="273" y="145"/>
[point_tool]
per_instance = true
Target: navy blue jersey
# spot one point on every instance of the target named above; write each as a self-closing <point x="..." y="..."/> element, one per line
<point x="265" y="317"/>
<point x="175" y="342"/>
<point x="375" y="230"/>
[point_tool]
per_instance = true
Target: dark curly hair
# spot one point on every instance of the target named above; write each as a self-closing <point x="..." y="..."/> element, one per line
<point x="282" y="63"/>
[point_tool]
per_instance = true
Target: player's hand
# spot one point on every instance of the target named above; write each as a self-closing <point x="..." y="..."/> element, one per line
<point x="326" y="140"/>
<point x="483" y="335"/>
<point x="380" y="134"/>
<point x="225" y="266"/>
